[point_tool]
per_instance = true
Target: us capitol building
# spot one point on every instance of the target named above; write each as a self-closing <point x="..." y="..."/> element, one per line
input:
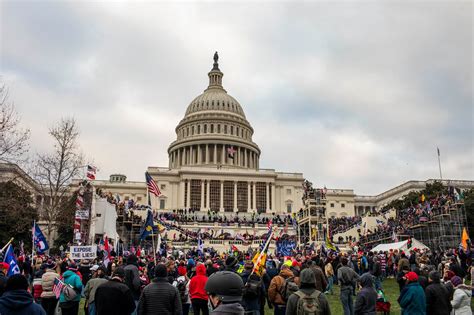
<point x="214" y="163"/>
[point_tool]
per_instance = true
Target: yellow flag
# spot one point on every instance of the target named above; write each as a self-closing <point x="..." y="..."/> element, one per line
<point x="464" y="239"/>
<point x="259" y="266"/>
<point x="423" y="198"/>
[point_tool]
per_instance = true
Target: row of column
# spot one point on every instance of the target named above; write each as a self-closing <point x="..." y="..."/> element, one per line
<point x="251" y="191"/>
<point x="196" y="155"/>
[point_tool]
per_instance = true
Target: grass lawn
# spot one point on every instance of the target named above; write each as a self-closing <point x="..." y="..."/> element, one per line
<point x="390" y="288"/>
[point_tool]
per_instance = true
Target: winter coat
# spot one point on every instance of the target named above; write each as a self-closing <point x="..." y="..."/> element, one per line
<point x="437" y="299"/>
<point x="37" y="288"/>
<point x="252" y="303"/>
<point x="160" y="297"/>
<point x="114" y="297"/>
<point x="197" y="284"/>
<point x="75" y="281"/>
<point x="47" y="282"/>
<point x="228" y="309"/>
<point x="91" y="288"/>
<point x="307" y="287"/>
<point x="321" y="281"/>
<point x="132" y="280"/>
<point x="329" y="270"/>
<point x="347" y="277"/>
<point x="367" y="296"/>
<point x="412" y="299"/>
<point x="462" y="300"/>
<point x="19" y="302"/>
<point x="3" y="282"/>
<point x="276" y="287"/>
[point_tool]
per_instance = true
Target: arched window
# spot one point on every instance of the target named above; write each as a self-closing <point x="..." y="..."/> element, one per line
<point x="187" y="131"/>
<point x="225" y="129"/>
<point x="219" y="128"/>
<point x="205" y="128"/>
<point x="212" y="128"/>
<point x="199" y="129"/>
<point x="232" y="130"/>
<point x="192" y="130"/>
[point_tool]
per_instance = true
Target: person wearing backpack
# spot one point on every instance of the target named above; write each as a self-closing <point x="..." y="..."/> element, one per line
<point x="132" y="278"/>
<point x="71" y="295"/>
<point x="254" y="290"/>
<point x="307" y="300"/>
<point x="347" y="278"/>
<point x="281" y="287"/>
<point x="182" y="284"/>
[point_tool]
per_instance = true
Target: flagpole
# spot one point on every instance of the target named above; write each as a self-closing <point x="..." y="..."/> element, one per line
<point x="152" y="233"/>
<point x="6" y="245"/>
<point x="439" y="164"/>
<point x="33" y="242"/>
<point x="265" y="247"/>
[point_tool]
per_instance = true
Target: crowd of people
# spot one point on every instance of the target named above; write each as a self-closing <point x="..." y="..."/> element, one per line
<point x="208" y="282"/>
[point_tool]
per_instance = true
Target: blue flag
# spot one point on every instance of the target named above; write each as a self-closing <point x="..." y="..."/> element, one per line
<point x="11" y="261"/>
<point x="149" y="226"/>
<point x="40" y="241"/>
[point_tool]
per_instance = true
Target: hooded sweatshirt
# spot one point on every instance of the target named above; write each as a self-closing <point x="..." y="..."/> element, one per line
<point x="367" y="296"/>
<point x="75" y="281"/>
<point x="462" y="300"/>
<point x="197" y="284"/>
<point x="19" y="302"/>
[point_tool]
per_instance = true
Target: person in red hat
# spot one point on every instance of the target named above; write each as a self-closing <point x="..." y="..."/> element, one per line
<point x="412" y="299"/>
<point x="3" y="276"/>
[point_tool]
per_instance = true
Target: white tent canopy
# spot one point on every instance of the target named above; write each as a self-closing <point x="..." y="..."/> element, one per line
<point x="400" y="246"/>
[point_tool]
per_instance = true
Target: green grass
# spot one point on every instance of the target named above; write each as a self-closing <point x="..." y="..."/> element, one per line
<point x="390" y="288"/>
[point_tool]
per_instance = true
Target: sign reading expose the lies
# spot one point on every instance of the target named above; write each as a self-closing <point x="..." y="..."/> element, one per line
<point x="83" y="252"/>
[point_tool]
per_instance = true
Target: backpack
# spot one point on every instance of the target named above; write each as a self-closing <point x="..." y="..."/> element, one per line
<point x="252" y="288"/>
<point x="69" y="293"/>
<point x="182" y="290"/>
<point x="308" y="304"/>
<point x="289" y="287"/>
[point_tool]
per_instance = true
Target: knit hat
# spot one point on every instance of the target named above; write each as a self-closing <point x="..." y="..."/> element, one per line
<point x="4" y="265"/>
<point x="435" y="276"/>
<point x="119" y="272"/>
<point x="411" y="276"/>
<point x="181" y="270"/>
<point x="456" y="281"/>
<point x="307" y="277"/>
<point x="50" y="264"/>
<point x="72" y="266"/>
<point x="160" y="271"/>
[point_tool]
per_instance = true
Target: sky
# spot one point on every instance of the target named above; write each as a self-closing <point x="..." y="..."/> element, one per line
<point x="353" y="94"/>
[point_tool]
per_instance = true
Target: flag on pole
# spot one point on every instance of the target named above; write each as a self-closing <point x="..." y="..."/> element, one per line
<point x="329" y="244"/>
<point x="80" y="198"/>
<point x="151" y="185"/>
<point x="464" y="239"/>
<point x="438" y="151"/>
<point x="58" y="286"/>
<point x="91" y="170"/>
<point x="13" y="268"/>
<point x="149" y="226"/>
<point x="39" y="240"/>
<point x="230" y="152"/>
<point x="106" y="251"/>
<point x="423" y="198"/>
<point x="394" y="236"/>
<point x="200" y="247"/>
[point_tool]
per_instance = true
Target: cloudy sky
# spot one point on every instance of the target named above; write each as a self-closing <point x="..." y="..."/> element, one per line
<point x="353" y="95"/>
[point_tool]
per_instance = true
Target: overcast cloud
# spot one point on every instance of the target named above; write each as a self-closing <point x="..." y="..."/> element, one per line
<point x="353" y="95"/>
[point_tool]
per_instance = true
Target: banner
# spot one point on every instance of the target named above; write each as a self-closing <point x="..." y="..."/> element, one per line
<point x="285" y="247"/>
<point x="82" y="214"/>
<point x="83" y="252"/>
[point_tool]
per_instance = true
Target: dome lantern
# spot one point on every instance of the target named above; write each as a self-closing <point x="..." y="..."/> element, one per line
<point x="215" y="75"/>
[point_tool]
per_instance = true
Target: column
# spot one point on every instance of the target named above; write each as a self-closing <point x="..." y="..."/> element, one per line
<point x="245" y="158"/>
<point x="191" y="159"/>
<point x="273" y="198"/>
<point x="221" y="207"/>
<point x="235" y="197"/>
<point x="207" y="154"/>
<point x="238" y="156"/>
<point x="208" y="183"/>
<point x="215" y="153"/>
<point x="267" y="193"/>
<point x="199" y="158"/>
<point x="248" y="197"/>
<point x="254" y="206"/>
<point x="188" y="196"/>
<point x="202" y="195"/>
<point x="223" y="155"/>
<point x="179" y="158"/>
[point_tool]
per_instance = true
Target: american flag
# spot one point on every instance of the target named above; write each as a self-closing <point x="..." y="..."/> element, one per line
<point x="58" y="286"/>
<point x="151" y="185"/>
<point x="230" y="152"/>
<point x="91" y="170"/>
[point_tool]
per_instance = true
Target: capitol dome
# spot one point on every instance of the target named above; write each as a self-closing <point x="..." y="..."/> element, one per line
<point x="214" y="130"/>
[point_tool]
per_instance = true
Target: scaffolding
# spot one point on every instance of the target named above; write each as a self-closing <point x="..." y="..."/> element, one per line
<point x="312" y="221"/>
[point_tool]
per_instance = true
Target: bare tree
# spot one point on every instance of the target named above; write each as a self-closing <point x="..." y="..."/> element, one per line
<point x="13" y="139"/>
<point x="54" y="171"/>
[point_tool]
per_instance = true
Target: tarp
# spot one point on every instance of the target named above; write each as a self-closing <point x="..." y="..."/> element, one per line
<point x="400" y="246"/>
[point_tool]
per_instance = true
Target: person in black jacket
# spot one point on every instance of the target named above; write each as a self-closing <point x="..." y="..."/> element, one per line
<point x="160" y="297"/>
<point x="114" y="297"/>
<point x="437" y="296"/>
<point x="3" y="279"/>
<point x="367" y="296"/>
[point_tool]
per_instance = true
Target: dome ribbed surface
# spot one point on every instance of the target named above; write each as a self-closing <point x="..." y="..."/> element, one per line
<point x="215" y="100"/>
